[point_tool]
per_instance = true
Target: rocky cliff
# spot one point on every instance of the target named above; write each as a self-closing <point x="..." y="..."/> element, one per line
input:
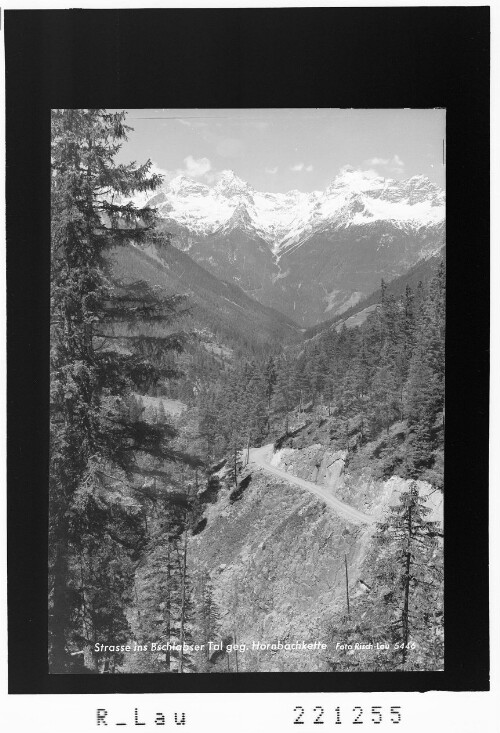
<point x="277" y="554"/>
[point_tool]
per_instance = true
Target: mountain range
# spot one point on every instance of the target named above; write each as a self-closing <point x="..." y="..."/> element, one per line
<point x="219" y="311"/>
<point x="309" y="255"/>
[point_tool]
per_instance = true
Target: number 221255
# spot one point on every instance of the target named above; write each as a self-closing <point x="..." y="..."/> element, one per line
<point x="357" y="716"/>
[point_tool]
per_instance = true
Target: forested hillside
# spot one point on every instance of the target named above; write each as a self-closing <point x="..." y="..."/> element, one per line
<point x="164" y="380"/>
<point x="217" y="306"/>
<point x="422" y="272"/>
<point x="389" y="370"/>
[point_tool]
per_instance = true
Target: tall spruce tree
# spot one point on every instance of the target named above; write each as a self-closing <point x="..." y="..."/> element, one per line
<point x="210" y="422"/>
<point x="424" y="398"/>
<point x="234" y="419"/>
<point x="208" y="618"/>
<point x="403" y="607"/>
<point x="94" y="366"/>
<point x="163" y="588"/>
<point x="284" y="396"/>
<point x="256" y="404"/>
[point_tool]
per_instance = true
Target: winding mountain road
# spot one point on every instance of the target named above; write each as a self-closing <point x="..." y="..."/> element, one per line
<point x="261" y="457"/>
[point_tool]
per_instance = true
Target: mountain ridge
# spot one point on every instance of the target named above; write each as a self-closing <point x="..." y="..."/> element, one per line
<point x="285" y="219"/>
<point x="215" y="303"/>
<point x="311" y="255"/>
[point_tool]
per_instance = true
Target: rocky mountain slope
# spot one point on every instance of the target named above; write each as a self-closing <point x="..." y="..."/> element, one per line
<point x="215" y="305"/>
<point x="357" y="314"/>
<point x="273" y="245"/>
<point x="277" y="554"/>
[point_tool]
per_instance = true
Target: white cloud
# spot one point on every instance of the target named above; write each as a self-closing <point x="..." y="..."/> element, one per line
<point x="271" y="171"/>
<point x="196" y="167"/>
<point x="193" y="168"/>
<point x="376" y="161"/>
<point x="392" y="166"/>
<point x="301" y="167"/>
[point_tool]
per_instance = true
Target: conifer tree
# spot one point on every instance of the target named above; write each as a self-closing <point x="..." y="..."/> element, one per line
<point x="408" y="328"/>
<point x="105" y="573"/>
<point x="318" y="372"/>
<point x="210" y="422"/>
<point x="208" y="616"/>
<point x="164" y="592"/>
<point x="403" y="607"/>
<point x="161" y="415"/>
<point x="301" y="386"/>
<point x="284" y="392"/>
<point x="270" y="375"/>
<point x="256" y="404"/>
<point x="409" y="566"/>
<point x="233" y="422"/>
<point x="424" y="395"/>
<point x="385" y="393"/>
<point x="94" y="447"/>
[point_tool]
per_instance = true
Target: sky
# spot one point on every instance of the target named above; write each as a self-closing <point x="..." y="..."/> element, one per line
<point x="279" y="150"/>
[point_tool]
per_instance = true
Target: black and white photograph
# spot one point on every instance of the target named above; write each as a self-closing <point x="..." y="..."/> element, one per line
<point x="248" y="397"/>
<point x="247" y="390"/>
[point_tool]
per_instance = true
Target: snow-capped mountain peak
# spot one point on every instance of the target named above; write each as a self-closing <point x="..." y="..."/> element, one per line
<point x="229" y="184"/>
<point x="354" y="181"/>
<point x="310" y="255"/>
<point x="282" y="220"/>
<point x="184" y="186"/>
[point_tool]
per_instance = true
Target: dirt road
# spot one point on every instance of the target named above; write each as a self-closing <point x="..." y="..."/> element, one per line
<point x="262" y="456"/>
